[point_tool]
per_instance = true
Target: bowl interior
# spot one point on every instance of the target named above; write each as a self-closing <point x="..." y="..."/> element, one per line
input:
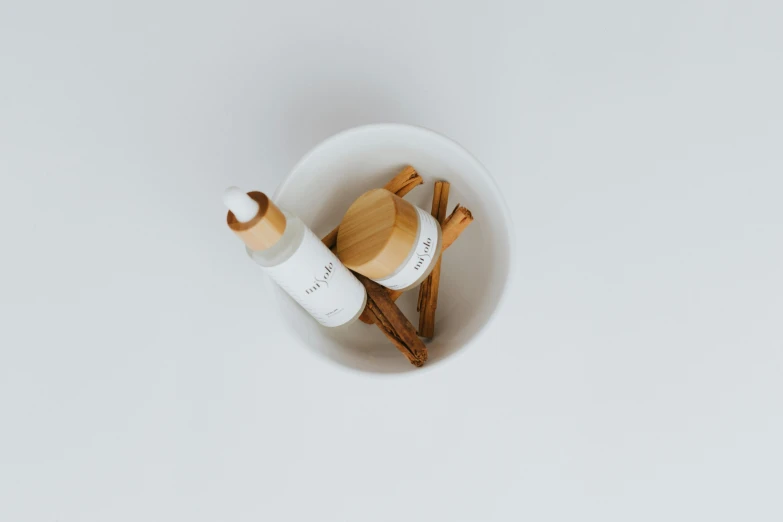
<point x="474" y="270"/>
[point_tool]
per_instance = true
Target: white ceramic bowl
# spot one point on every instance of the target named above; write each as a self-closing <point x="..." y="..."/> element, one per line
<point x="475" y="270"/>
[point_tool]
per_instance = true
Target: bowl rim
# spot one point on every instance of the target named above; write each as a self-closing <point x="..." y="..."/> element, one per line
<point x="510" y="228"/>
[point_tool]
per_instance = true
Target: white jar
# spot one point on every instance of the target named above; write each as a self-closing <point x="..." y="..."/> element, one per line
<point x="389" y="240"/>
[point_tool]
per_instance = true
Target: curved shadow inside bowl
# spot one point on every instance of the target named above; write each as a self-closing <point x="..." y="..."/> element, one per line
<point x="475" y="269"/>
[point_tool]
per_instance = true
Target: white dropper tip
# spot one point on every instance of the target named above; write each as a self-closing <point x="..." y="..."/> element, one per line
<point x="240" y="204"/>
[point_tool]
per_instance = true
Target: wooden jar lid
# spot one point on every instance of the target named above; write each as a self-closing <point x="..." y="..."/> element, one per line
<point x="265" y="229"/>
<point x="377" y="234"/>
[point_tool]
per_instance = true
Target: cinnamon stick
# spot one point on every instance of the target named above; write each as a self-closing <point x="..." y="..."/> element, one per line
<point x="405" y="181"/>
<point x="455" y="224"/>
<point x="367" y="316"/>
<point x="393" y="323"/>
<point x="428" y="290"/>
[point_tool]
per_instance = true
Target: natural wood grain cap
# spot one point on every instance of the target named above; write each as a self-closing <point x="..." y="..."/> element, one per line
<point x="265" y="229"/>
<point x="377" y="234"/>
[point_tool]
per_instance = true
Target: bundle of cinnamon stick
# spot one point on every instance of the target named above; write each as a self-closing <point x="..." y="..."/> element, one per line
<point x="381" y="309"/>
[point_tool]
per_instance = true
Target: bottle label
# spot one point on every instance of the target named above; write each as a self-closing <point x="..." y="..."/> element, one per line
<point x="422" y="257"/>
<point x="320" y="283"/>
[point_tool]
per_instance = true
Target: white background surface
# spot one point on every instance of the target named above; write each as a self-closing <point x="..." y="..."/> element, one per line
<point x="634" y="375"/>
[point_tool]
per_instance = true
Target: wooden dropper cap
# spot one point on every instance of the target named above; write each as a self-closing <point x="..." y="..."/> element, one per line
<point x="260" y="231"/>
<point x="377" y="234"/>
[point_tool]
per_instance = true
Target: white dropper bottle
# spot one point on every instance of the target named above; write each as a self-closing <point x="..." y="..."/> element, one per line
<point x="295" y="258"/>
